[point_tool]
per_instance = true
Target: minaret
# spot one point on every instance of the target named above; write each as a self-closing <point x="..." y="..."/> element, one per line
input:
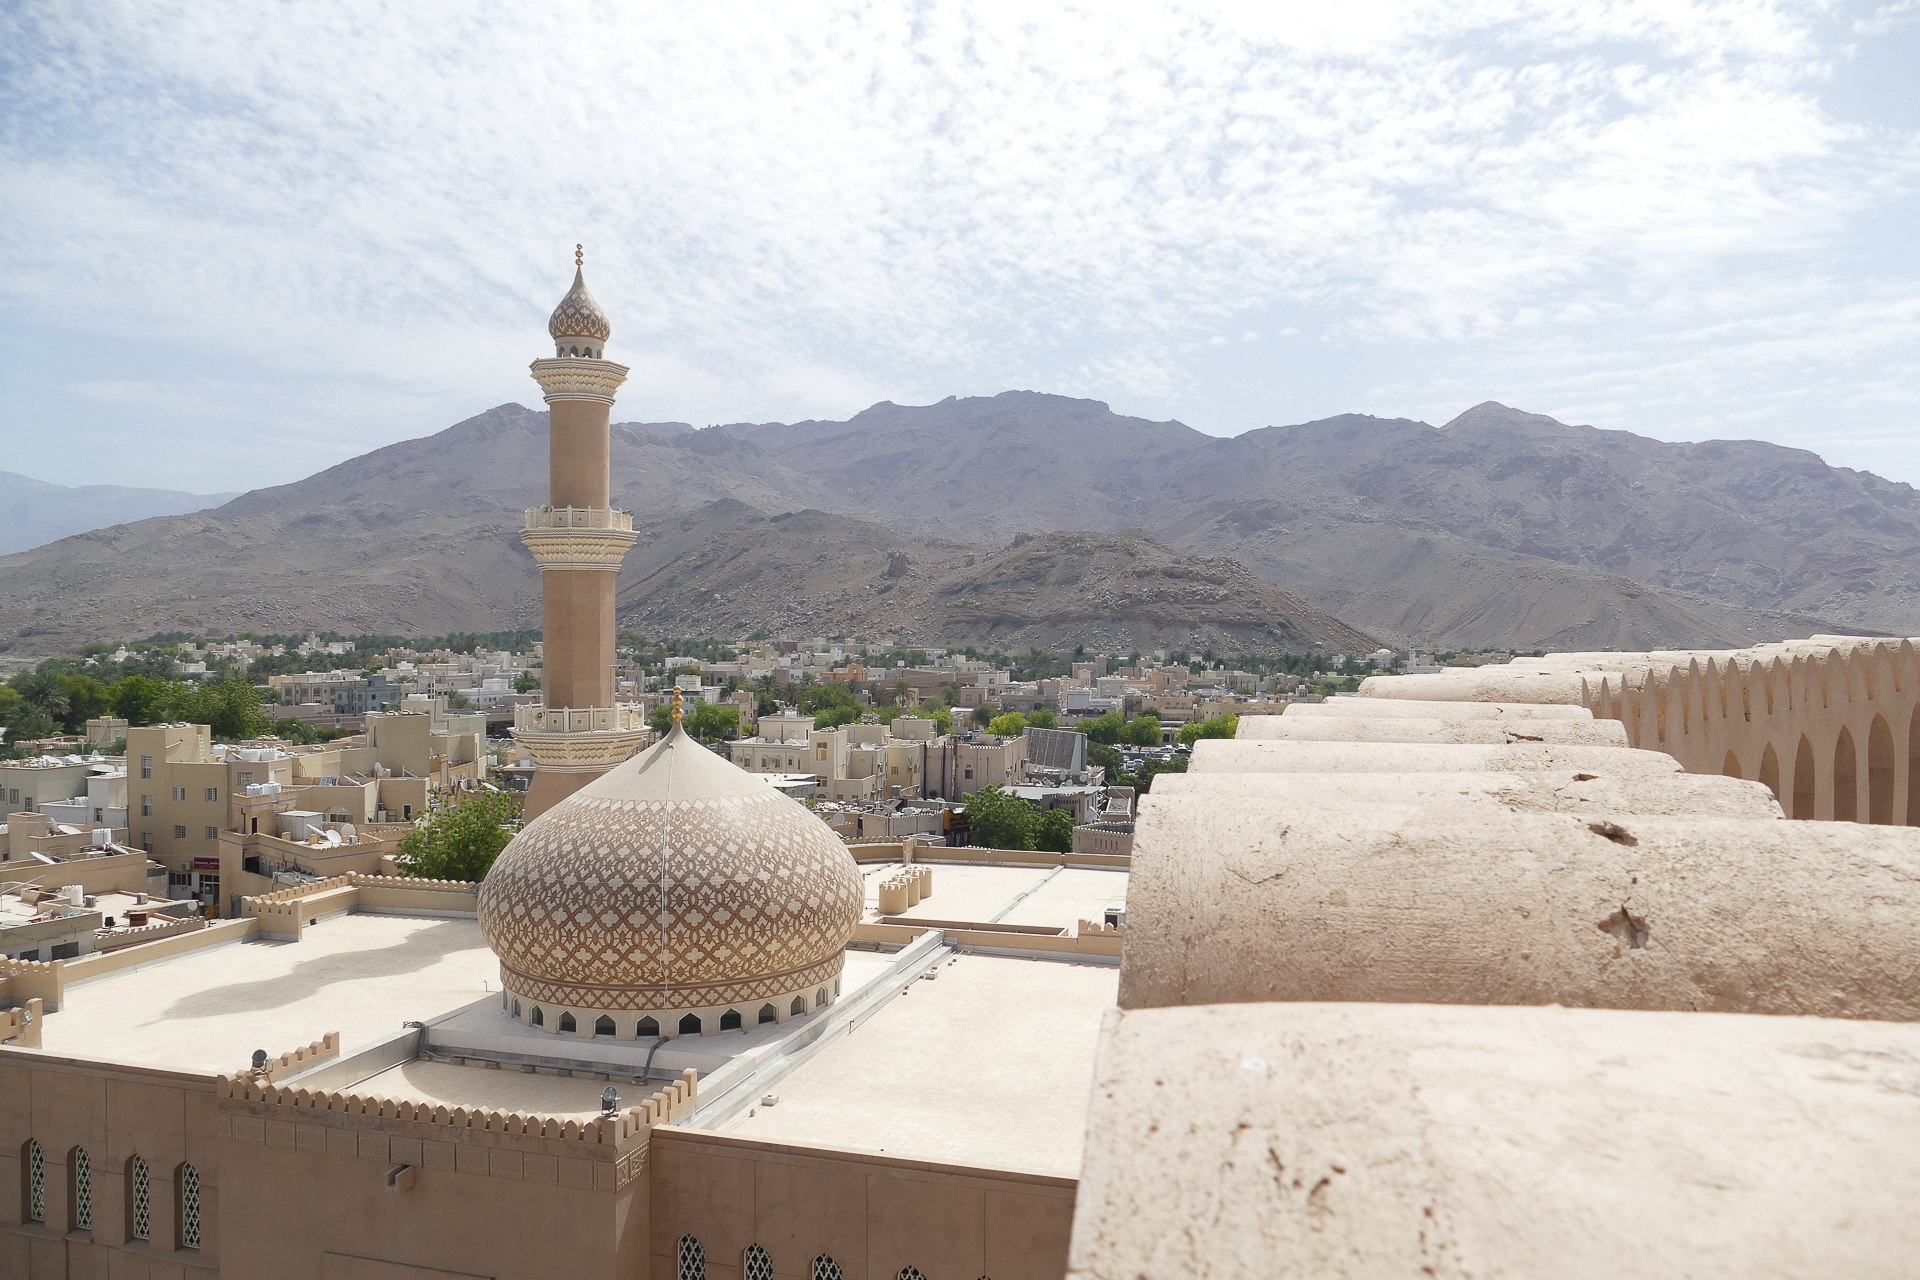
<point x="578" y="732"/>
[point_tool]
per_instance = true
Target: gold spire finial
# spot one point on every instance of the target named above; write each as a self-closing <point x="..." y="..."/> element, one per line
<point x="579" y="256"/>
<point x="679" y="704"/>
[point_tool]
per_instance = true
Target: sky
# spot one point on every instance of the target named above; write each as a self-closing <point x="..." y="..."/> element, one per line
<point x="240" y="243"/>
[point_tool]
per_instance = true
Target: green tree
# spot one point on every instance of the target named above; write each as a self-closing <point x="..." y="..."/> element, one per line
<point x="1054" y="832"/>
<point x="1105" y="728"/>
<point x="296" y="731"/>
<point x="712" y="721"/>
<point x="984" y="713"/>
<point x="1000" y="820"/>
<point x="461" y="841"/>
<point x="1144" y="730"/>
<point x="933" y="711"/>
<point x="1010" y="725"/>
<point x="457" y="701"/>
<point x="1107" y="758"/>
<point x="526" y="682"/>
<point x="1041" y="718"/>
<point x="1143" y="780"/>
<point x="1218" y="727"/>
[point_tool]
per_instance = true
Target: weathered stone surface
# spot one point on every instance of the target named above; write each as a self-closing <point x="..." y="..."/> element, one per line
<point x="1375" y="708"/>
<point x="1280" y="1141"/>
<point x="1585" y="733"/>
<point x="1234" y="755"/>
<point x="1546" y="791"/>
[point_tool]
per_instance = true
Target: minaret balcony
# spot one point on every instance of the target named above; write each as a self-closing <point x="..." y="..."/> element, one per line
<point x="578" y="538"/>
<point x="577" y="378"/>
<point x="620" y="718"/>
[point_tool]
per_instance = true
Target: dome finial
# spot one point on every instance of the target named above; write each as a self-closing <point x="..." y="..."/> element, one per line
<point x="679" y="705"/>
<point x="579" y="256"/>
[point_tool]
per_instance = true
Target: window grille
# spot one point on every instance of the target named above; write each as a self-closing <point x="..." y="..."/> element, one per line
<point x="213" y="793"/>
<point x="141" y="1189"/>
<point x="758" y="1265"/>
<point x="693" y="1259"/>
<point x="179" y="832"/>
<point x="825" y="1268"/>
<point x="911" y="1273"/>
<point x="189" y="1207"/>
<point x="36" y="1182"/>
<point x="179" y="793"/>
<point x="82" y="1190"/>
<point x="213" y="833"/>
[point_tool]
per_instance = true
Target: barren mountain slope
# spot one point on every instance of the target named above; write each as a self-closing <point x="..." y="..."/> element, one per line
<point x="728" y="570"/>
<point x="33" y="512"/>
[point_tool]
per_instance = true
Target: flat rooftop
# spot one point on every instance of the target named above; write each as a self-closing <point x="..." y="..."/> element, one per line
<point x="208" y="1010"/>
<point x="990" y="1064"/>
<point x="1054" y="895"/>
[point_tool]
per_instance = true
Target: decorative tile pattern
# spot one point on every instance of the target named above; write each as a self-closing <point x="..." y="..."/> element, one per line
<point x="142" y="1200"/>
<point x="579" y="314"/>
<point x="36" y="1182"/>
<point x="757" y="1265"/>
<point x="189" y="1207"/>
<point x="825" y="1268"/>
<point x="693" y="1259"/>
<point x="637" y="906"/>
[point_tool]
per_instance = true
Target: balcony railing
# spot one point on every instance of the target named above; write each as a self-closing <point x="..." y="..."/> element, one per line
<point x="578" y="518"/>
<point x="540" y="719"/>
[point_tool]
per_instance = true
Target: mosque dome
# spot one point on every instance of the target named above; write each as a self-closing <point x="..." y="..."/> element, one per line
<point x="578" y="319"/>
<point x="676" y="890"/>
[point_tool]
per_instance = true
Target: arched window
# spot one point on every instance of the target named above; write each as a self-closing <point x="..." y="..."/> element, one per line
<point x="189" y="1183"/>
<point x="81" y="1165"/>
<point x="1730" y="767"/>
<point x="139" y="1199"/>
<point x="1770" y="770"/>
<point x="603" y="1025"/>
<point x="730" y="1020"/>
<point x="539" y="1019"/>
<point x="1880" y="771"/>
<point x="819" y="997"/>
<point x="825" y="1268"/>
<point x="1913" y="769"/>
<point x="35" y="1161"/>
<point x="516" y="1009"/>
<point x="646" y="1027"/>
<point x="566" y="1022"/>
<point x="1846" y="791"/>
<point x="755" y="1264"/>
<point x="690" y="1025"/>
<point x="911" y="1273"/>
<point x="1803" y="779"/>
<point x="693" y="1259"/>
<point x="836" y="988"/>
<point x="768" y="1014"/>
<point x="799" y="1006"/>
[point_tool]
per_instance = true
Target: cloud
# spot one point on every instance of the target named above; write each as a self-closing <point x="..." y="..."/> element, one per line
<point x="790" y="210"/>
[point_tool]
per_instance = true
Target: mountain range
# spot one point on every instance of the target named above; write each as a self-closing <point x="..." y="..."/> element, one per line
<point x="1026" y="518"/>
<point x="34" y="512"/>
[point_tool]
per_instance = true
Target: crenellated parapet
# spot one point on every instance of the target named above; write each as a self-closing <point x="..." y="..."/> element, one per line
<point x="602" y="1153"/>
<point x="578" y="538"/>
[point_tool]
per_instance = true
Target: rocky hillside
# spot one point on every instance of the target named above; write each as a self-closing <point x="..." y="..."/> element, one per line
<point x="1500" y="528"/>
<point x="33" y="512"/>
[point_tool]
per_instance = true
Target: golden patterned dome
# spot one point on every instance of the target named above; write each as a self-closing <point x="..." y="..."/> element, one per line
<point x="674" y="882"/>
<point x="579" y="315"/>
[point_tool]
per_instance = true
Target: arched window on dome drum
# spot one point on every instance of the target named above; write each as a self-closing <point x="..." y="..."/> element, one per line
<point x="690" y="1025"/>
<point x="825" y="1268"/>
<point x="646" y="1027"/>
<point x="819" y="997"/>
<point x="836" y="988"/>
<point x="769" y="1014"/>
<point x="603" y="1025"/>
<point x="566" y="1022"/>
<point x="755" y="1264"/>
<point x="799" y="1006"/>
<point x="730" y="1020"/>
<point x="693" y="1259"/>
<point x="516" y="1008"/>
<point x="539" y="1018"/>
<point x="35" y="1161"/>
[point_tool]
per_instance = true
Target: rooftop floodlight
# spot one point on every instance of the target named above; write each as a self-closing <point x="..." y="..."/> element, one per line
<point x="259" y="1060"/>
<point x="609" y="1100"/>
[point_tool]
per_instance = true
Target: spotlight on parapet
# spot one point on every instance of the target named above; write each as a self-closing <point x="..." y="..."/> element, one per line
<point x="609" y="1100"/>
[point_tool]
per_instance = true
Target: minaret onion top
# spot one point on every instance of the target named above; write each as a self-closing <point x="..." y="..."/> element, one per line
<point x="578" y="321"/>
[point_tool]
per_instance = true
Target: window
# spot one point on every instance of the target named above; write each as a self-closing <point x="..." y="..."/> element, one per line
<point x="603" y="1025"/>
<point x="139" y="1202"/>
<point x="819" y="997"/>
<point x="799" y="1006"/>
<point x="244" y="777"/>
<point x="516" y="1008"/>
<point x="13" y="796"/>
<point x="179" y="793"/>
<point x="690" y="1025"/>
<point x="910" y="1273"/>
<point x="693" y="1259"/>
<point x="146" y="766"/>
<point x="825" y="1268"/>
<point x="756" y="1265"/>
<point x="213" y="793"/>
<point x="539" y="1019"/>
<point x="646" y="1027"/>
<point x="566" y="1022"/>
<point x="146" y="806"/>
<point x="189" y="1207"/>
<point x="213" y="833"/>
<point x="768" y="1014"/>
<point x="179" y="832"/>
<point x="82" y="1166"/>
<point x="36" y="1162"/>
<point x="65" y="950"/>
<point x="146" y="842"/>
